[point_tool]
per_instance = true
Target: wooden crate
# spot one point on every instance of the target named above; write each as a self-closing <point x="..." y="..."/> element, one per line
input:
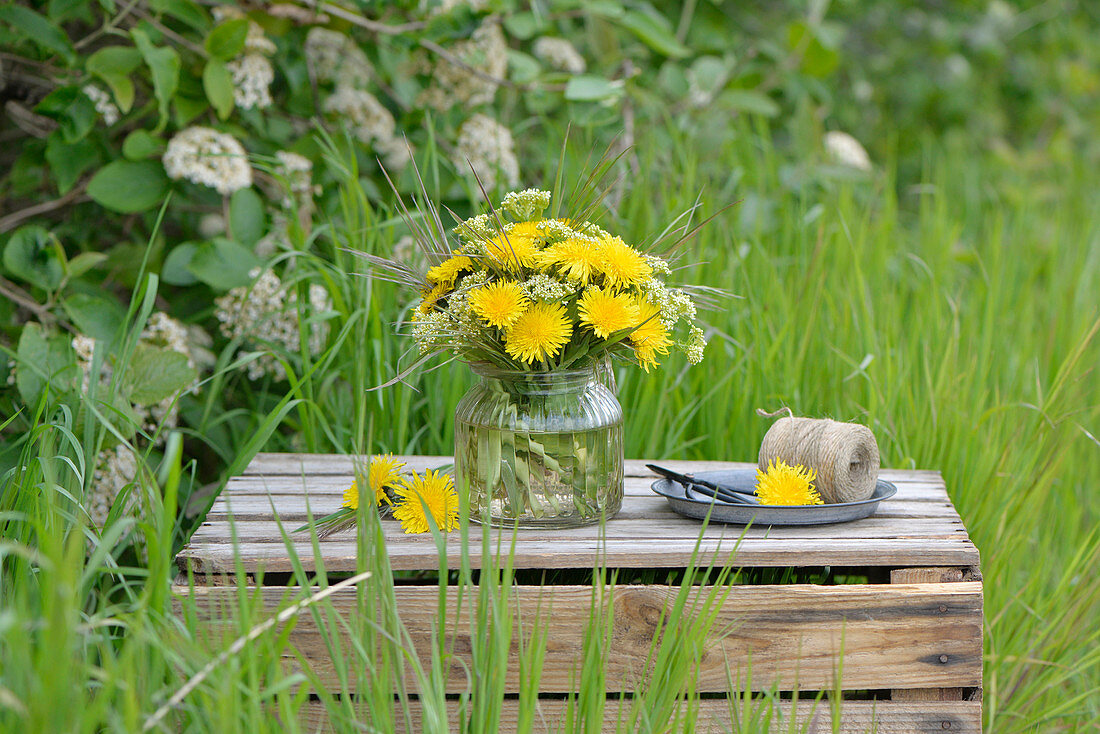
<point x="911" y="637"/>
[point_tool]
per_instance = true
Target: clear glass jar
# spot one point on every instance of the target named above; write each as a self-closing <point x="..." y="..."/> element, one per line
<point x="539" y="449"/>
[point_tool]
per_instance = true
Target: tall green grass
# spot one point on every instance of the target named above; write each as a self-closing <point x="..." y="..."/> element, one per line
<point x="957" y="318"/>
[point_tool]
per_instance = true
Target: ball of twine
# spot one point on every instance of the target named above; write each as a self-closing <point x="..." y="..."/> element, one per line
<point x="844" y="455"/>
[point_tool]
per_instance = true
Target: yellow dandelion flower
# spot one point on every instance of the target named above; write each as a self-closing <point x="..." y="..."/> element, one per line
<point x="539" y="333"/>
<point x="575" y="258"/>
<point x="650" y="338"/>
<point x="513" y="252"/>
<point x="431" y="297"/>
<point x="606" y="312"/>
<point x="432" y="493"/>
<point x="499" y="304"/>
<point x="446" y="272"/>
<point x="621" y="264"/>
<point x="383" y="471"/>
<point x="783" y="484"/>
<point x="531" y="230"/>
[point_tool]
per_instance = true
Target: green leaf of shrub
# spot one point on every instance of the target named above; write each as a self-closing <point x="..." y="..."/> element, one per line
<point x="84" y="262"/>
<point x="141" y="144"/>
<point x="653" y="33"/>
<point x="164" y="63"/>
<point x="751" y="101"/>
<point x="33" y="254"/>
<point x="43" y="359"/>
<point x="176" y="267"/>
<point x="157" y="373"/>
<point x="522" y="69"/>
<point x="69" y="160"/>
<point x="227" y="39"/>
<point x="113" y="65"/>
<point x="218" y="85"/>
<point x="97" y="316"/>
<point x="74" y="112"/>
<point x="523" y="25"/>
<point x="223" y="264"/>
<point x="246" y="216"/>
<point x="591" y="89"/>
<point x="129" y="186"/>
<point x="38" y="29"/>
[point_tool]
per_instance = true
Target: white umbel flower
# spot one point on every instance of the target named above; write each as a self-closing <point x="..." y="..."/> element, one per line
<point x="209" y="158"/>
<point x="367" y="118"/>
<point x="842" y="148"/>
<point x="103" y="104"/>
<point x="559" y="54"/>
<point x="296" y="173"/>
<point x="487" y="51"/>
<point x="252" y="76"/>
<point x="334" y="57"/>
<point x="115" y="468"/>
<point x="267" y="312"/>
<point x="487" y="146"/>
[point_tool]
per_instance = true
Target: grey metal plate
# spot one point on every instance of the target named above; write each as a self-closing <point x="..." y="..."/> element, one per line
<point x="698" y="505"/>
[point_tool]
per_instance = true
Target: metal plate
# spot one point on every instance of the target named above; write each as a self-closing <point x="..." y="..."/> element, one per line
<point x="697" y="505"/>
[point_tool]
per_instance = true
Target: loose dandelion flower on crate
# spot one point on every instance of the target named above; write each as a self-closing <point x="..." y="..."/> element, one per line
<point x="783" y="484"/>
<point x="383" y="477"/>
<point x="431" y="493"/>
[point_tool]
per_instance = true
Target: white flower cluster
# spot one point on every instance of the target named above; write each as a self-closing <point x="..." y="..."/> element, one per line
<point x="267" y="312"/>
<point x="161" y="331"/>
<point x="694" y="345"/>
<point x="205" y="156"/>
<point x="487" y="146"/>
<point x="452" y="83"/>
<point x="527" y="204"/>
<point x="369" y="119"/>
<point x="542" y="287"/>
<point x="673" y="303"/>
<point x="842" y="148"/>
<point x="333" y="57"/>
<point x="103" y="104"/>
<point x="296" y="172"/>
<point x="252" y="76"/>
<point x="251" y="71"/>
<point x="559" y="54"/>
<point x="115" y="468"/>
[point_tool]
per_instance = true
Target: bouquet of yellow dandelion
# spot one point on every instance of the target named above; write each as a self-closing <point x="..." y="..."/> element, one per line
<point x="539" y="300"/>
<point x="411" y="500"/>
<point x="525" y="292"/>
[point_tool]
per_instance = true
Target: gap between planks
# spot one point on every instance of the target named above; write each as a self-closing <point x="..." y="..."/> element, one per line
<point x="713" y="716"/>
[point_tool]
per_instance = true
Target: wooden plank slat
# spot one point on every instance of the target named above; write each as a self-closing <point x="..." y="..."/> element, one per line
<point x="887" y="636"/>
<point x="648" y="526"/>
<point x="339" y="555"/>
<point x="715" y="717"/>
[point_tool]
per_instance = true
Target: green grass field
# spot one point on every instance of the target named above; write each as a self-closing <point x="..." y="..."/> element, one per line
<point x="956" y="315"/>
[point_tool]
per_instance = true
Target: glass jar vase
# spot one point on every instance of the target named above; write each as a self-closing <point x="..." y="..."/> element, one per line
<point x="539" y="449"/>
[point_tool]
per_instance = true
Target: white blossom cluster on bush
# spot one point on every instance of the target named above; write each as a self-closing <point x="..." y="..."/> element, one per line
<point x="267" y="313"/>
<point x="559" y="54"/>
<point x="486" y="53"/>
<point x="251" y="70"/>
<point x="115" y="468"/>
<point x="103" y="104"/>
<point x="487" y="146"/>
<point x="333" y="57"/>
<point x="207" y="157"/>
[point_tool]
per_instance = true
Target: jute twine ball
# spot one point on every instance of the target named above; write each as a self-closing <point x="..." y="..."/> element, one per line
<point x="844" y="455"/>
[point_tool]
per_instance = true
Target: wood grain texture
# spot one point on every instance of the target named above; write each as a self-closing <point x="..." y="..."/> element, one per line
<point x="715" y="717"/>
<point x="918" y="527"/>
<point x="886" y="636"/>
